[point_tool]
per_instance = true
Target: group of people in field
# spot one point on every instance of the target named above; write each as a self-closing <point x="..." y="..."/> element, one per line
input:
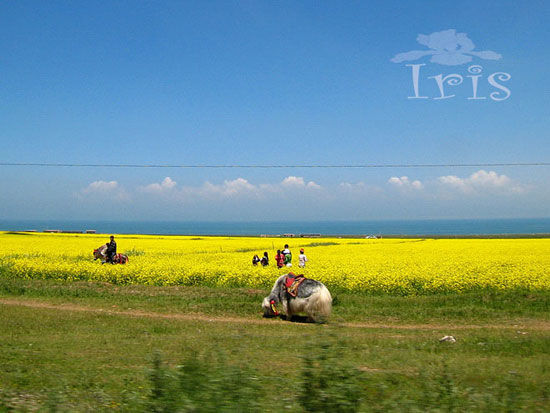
<point x="282" y="259"/>
<point x="264" y="261"/>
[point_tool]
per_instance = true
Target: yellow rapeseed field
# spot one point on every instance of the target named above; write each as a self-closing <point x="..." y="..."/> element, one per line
<point x="396" y="266"/>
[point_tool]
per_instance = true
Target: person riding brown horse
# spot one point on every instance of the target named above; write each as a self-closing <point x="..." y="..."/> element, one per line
<point x="111" y="250"/>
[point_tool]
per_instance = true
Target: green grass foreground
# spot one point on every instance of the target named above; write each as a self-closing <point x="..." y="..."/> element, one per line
<point x="101" y="347"/>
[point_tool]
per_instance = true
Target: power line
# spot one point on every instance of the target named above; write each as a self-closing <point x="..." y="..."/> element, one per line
<point x="358" y="166"/>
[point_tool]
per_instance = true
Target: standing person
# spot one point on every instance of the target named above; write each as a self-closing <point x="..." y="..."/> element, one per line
<point x="280" y="259"/>
<point x="111" y="250"/>
<point x="265" y="260"/>
<point x="286" y="250"/>
<point x="288" y="256"/>
<point x="302" y="259"/>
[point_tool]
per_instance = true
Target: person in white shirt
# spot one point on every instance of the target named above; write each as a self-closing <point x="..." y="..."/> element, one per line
<point x="302" y="259"/>
<point x="288" y="256"/>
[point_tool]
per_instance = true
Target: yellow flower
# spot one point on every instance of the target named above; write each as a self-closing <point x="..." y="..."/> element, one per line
<point x="395" y="266"/>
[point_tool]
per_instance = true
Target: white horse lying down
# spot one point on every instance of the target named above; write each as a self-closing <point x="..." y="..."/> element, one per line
<point x="311" y="298"/>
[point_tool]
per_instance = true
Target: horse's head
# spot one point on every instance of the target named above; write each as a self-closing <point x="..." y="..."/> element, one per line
<point x="269" y="307"/>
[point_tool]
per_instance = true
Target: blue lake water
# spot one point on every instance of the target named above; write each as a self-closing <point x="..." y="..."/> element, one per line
<point x="390" y="227"/>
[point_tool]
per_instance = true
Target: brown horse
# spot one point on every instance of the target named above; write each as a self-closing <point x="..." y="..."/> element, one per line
<point x="101" y="253"/>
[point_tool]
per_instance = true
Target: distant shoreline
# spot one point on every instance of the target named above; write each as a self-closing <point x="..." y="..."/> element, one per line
<point x="321" y="236"/>
<point x="441" y="228"/>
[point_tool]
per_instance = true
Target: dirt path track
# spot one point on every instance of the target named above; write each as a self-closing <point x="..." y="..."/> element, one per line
<point x="524" y="324"/>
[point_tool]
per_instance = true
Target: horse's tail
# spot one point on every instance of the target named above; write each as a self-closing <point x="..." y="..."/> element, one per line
<point x="321" y="304"/>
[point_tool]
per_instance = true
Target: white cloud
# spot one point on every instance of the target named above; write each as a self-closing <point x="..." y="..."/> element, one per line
<point x="298" y="181"/>
<point x="482" y="181"/>
<point x="228" y="188"/>
<point x="491" y="178"/>
<point x="100" y="187"/>
<point x="405" y="183"/>
<point x="293" y="180"/>
<point x="254" y="199"/>
<point x="166" y="185"/>
<point x="239" y="187"/>
<point x="102" y="190"/>
<point x="359" y="188"/>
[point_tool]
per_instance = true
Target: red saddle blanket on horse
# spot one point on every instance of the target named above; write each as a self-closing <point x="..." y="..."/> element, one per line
<point x="120" y="259"/>
<point x="292" y="283"/>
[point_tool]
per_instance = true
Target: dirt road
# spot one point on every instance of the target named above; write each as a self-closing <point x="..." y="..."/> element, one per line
<point x="258" y="320"/>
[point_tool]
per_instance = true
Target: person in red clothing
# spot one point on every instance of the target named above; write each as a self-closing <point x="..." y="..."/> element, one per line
<point x="280" y="259"/>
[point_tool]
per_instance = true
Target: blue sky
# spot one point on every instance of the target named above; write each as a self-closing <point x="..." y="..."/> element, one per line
<point x="257" y="82"/>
